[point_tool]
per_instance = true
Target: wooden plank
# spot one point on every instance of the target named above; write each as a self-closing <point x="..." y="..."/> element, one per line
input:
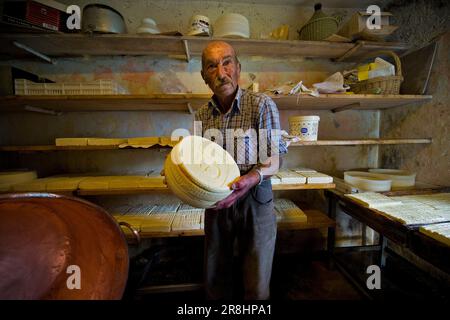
<point x="153" y="102"/>
<point x="359" y="142"/>
<point x="392" y="229"/>
<point x="431" y="250"/>
<point x="336" y="101"/>
<point x="305" y="186"/>
<point x="419" y="188"/>
<point x="165" y="189"/>
<point x="182" y="287"/>
<point x="72" y="45"/>
<point x="50" y="148"/>
<point x="367" y="49"/>
<point x="315" y="220"/>
<point x="279" y="48"/>
<point x="178" y="102"/>
<point x="111" y="192"/>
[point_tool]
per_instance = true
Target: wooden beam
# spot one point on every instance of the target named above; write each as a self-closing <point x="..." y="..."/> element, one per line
<point x="347" y="107"/>
<point x="350" y="52"/>
<point x="186" y="50"/>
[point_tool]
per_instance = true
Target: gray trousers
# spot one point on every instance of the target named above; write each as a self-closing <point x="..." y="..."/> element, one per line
<point x="251" y="222"/>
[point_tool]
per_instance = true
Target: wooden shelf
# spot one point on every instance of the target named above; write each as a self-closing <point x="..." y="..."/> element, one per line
<point x="179" y="102"/>
<point x="358" y="142"/>
<point x="306" y="186"/>
<point x="76" y="45"/>
<point x="341" y="102"/>
<point x="51" y="148"/>
<point x="107" y="192"/>
<point x="124" y="191"/>
<point x="315" y="220"/>
<point x="151" y="102"/>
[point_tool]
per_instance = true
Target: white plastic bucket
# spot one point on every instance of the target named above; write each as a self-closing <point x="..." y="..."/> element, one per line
<point x="304" y="127"/>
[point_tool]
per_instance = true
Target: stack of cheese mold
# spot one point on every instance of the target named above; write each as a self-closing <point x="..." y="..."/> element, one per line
<point x="368" y="181"/>
<point x="400" y="178"/>
<point x="287" y="211"/>
<point x="200" y="172"/>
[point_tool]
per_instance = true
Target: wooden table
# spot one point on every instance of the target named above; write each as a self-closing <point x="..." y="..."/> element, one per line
<point x="407" y="236"/>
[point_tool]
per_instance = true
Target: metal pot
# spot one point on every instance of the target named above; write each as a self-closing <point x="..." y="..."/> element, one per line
<point x="102" y="19"/>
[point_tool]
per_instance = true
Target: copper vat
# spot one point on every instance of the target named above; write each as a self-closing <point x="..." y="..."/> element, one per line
<point x="45" y="237"/>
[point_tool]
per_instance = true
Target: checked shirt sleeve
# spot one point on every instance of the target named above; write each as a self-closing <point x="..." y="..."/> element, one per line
<point x="269" y="119"/>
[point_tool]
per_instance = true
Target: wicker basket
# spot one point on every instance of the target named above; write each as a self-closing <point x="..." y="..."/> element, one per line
<point x="319" y="27"/>
<point x="381" y="85"/>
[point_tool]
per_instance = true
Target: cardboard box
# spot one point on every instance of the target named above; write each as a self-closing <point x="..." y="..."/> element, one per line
<point x="356" y="27"/>
<point x="34" y="13"/>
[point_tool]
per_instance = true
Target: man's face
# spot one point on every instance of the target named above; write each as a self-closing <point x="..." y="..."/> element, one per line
<point x="221" y="69"/>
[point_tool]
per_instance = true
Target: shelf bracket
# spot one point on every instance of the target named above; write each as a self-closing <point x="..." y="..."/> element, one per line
<point x="350" y="52"/>
<point x="186" y="50"/>
<point x="346" y="107"/>
<point x="42" y="110"/>
<point x="34" y="52"/>
<point x="189" y="106"/>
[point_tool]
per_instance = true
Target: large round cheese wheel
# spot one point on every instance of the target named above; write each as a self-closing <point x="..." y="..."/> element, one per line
<point x="188" y="191"/>
<point x="206" y="163"/>
<point x="200" y="172"/>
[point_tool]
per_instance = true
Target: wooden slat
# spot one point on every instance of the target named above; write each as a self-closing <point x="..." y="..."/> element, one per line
<point x="306" y="186"/>
<point x="336" y="101"/>
<point x="153" y="102"/>
<point x="315" y="220"/>
<point x="169" y="288"/>
<point x="109" y="192"/>
<point x="73" y="45"/>
<point x="165" y="189"/>
<point x="49" y="148"/>
<point x="359" y="142"/>
<point x="178" y="102"/>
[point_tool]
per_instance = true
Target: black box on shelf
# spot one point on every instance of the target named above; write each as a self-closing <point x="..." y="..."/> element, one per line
<point x="9" y="74"/>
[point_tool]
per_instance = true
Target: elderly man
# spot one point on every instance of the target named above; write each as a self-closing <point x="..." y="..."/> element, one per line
<point x="243" y="225"/>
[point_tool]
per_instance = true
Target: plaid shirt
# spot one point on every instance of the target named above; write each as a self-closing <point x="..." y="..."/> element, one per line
<point x="249" y="111"/>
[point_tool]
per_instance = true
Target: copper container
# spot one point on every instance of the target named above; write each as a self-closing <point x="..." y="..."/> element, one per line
<point x="43" y="236"/>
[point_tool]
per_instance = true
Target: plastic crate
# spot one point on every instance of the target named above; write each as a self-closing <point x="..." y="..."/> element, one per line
<point x="99" y="87"/>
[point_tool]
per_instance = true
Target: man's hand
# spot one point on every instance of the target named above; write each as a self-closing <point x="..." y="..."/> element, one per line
<point x="240" y="188"/>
